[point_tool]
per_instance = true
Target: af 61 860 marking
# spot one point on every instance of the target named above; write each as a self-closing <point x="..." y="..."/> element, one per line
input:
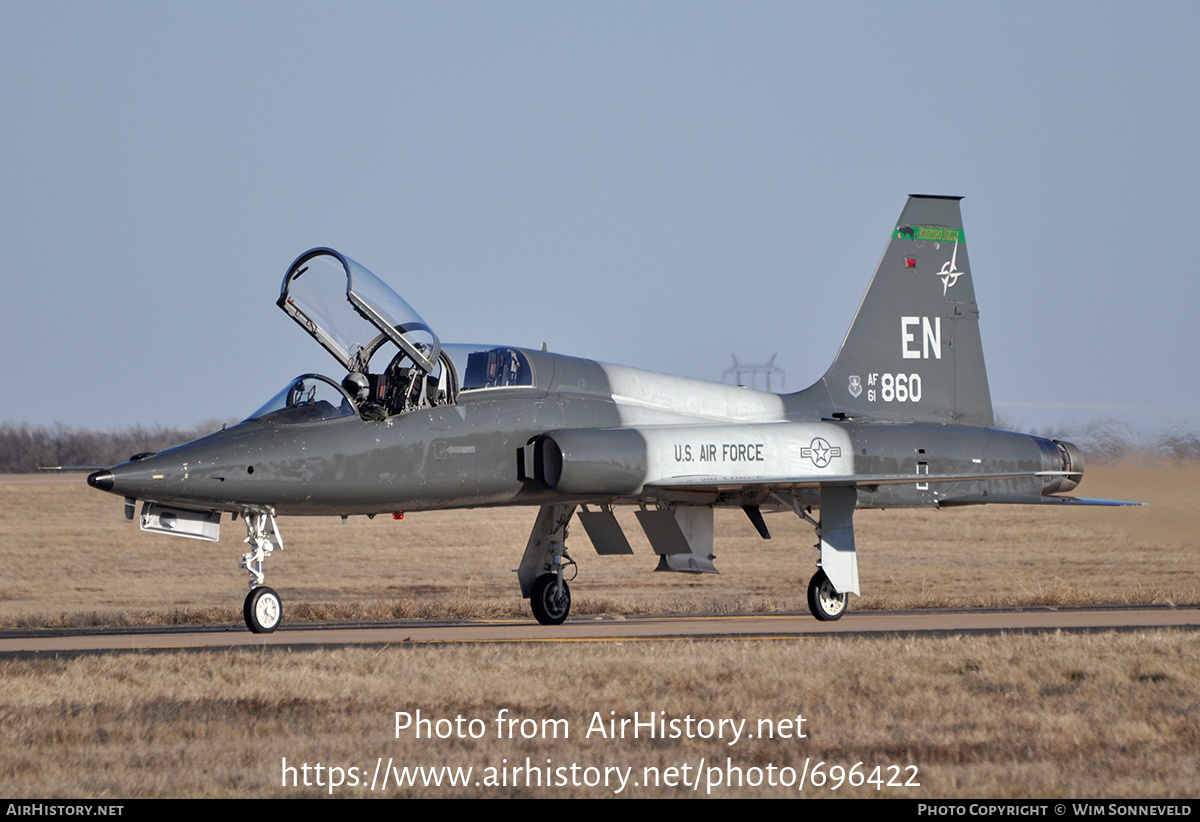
<point x="895" y="387"/>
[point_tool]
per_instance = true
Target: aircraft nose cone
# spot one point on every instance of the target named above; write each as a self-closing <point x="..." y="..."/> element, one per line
<point x="101" y="479"/>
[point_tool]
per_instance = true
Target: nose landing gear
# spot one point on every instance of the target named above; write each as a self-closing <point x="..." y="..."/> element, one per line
<point x="262" y="610"/>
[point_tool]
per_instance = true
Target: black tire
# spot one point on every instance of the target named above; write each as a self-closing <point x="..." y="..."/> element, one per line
<point x="549" y="608"/>
<point x="263" y="610"/>
<point x="826" y="604"/>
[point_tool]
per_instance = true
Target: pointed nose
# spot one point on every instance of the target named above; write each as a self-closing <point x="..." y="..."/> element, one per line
<point x="101" y="479"/>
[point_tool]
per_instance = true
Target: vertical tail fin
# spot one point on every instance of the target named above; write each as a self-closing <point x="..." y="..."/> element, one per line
<point x="913" y="352"/>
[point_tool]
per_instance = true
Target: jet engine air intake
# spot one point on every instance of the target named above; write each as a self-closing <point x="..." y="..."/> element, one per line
<point x="606" y="462"/>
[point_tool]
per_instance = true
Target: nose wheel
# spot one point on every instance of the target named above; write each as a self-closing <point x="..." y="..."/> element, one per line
<point x="263" y="610"/>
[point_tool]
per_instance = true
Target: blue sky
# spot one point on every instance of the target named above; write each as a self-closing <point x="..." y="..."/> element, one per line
<point x="655" y="184"/>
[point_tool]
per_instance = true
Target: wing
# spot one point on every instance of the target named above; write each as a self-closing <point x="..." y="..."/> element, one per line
<point x="719" y="484"/>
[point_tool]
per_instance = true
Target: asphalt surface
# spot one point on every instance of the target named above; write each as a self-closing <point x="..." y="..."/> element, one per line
<point x="867" y="623"/>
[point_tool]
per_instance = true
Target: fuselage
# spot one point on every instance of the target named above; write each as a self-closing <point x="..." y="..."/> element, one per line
<point x="618" y="434"/>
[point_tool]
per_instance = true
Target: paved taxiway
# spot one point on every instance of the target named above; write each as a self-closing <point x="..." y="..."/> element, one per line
<point x="601" y="629"/>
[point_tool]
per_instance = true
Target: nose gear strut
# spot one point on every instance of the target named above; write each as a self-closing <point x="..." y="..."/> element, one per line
<point x="262" y="610"/>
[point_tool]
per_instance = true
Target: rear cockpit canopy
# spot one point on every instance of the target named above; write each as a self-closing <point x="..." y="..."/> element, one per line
<point x="331" y="296"/>
<point x="356" y="316"/>
<point x="373" y="332"/>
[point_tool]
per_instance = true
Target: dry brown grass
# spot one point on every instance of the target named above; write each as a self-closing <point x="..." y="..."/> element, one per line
<point x="71" y="559"/>
<point x="1111" y="715"/>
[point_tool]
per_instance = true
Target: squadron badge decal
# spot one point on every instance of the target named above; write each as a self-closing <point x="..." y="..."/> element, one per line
<point x="949" y="274"/>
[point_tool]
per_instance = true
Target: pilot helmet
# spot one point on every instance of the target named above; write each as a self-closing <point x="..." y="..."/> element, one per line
<point x="357" y="385"/>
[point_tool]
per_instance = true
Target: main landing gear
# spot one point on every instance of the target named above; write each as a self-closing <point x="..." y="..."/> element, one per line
<point x="543" y="571"/>
<point x="543" y="567"/>
<point x="262" y="609"/>
<point x="825" y="603"/>
<point x="550" y="600"/>
<point x="837" y="570"/>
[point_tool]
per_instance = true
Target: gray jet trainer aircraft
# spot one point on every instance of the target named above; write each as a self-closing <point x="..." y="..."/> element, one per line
<point x="903" y="418"/>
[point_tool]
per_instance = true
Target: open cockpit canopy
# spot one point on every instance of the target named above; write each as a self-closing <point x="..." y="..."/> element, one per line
<point x="330" y="296"/>
<point x="373" y="332"/>
<point x="356" y="316"/>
